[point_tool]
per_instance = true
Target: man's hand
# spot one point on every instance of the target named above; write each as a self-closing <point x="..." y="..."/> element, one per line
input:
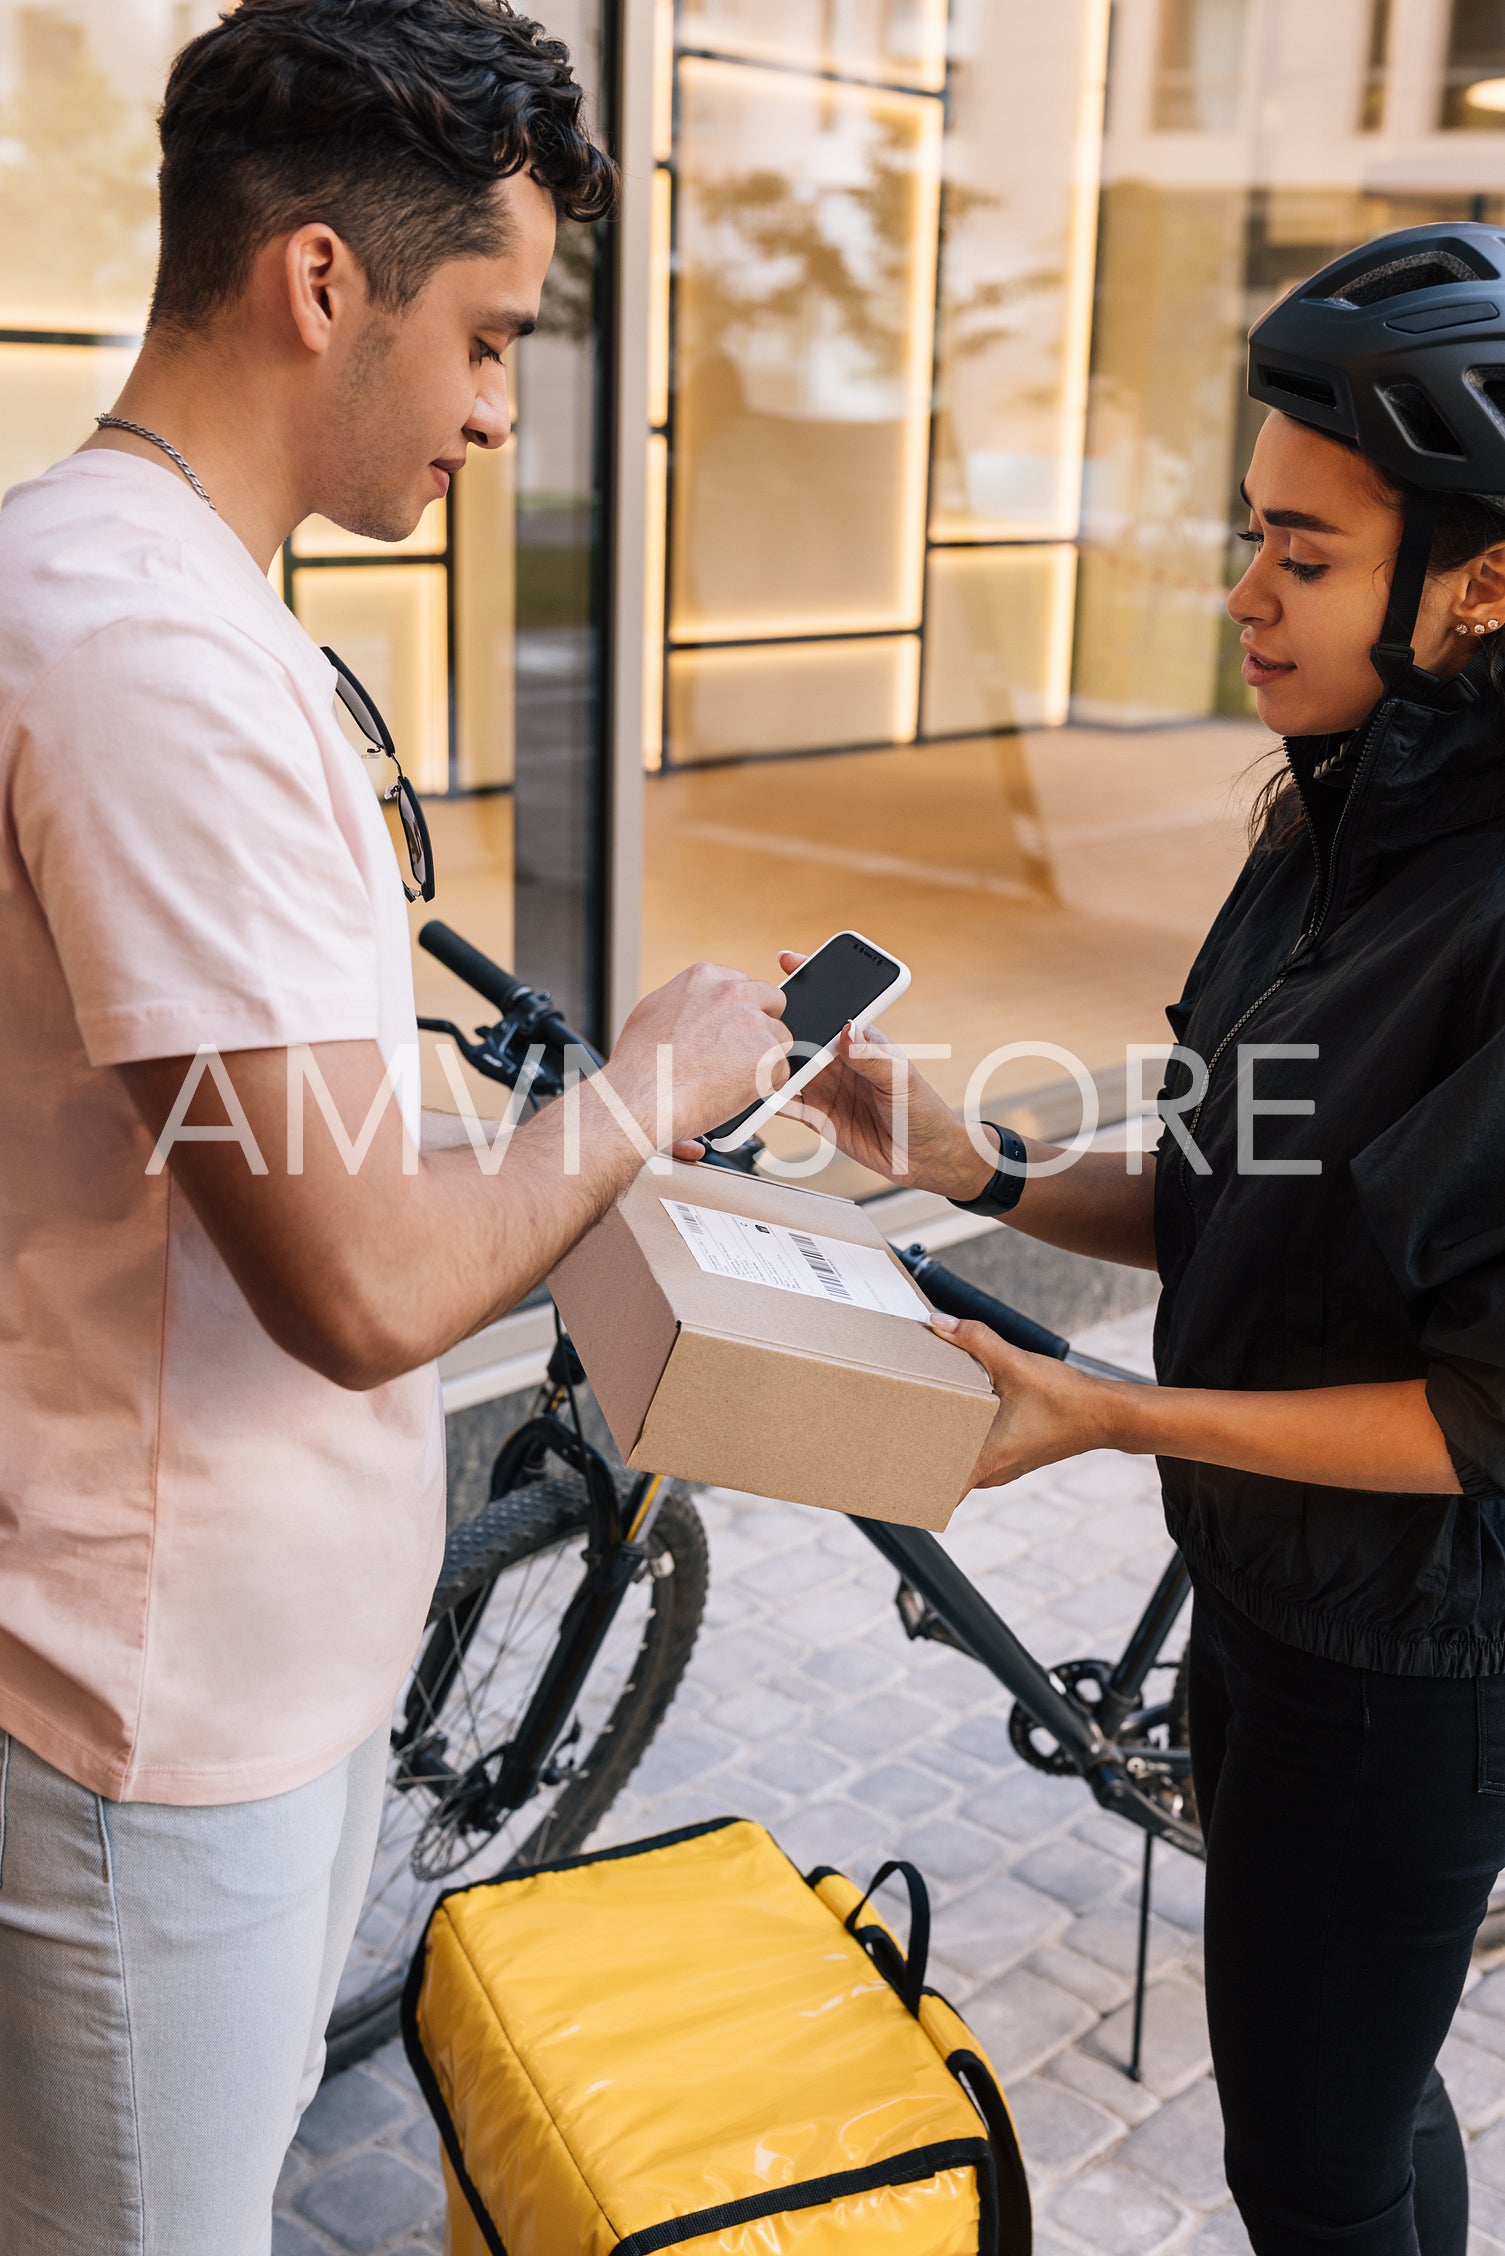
<point x="719" y="1027"/>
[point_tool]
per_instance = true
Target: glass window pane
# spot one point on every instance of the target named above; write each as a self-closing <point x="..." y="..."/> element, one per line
<point x="80" y="84"/>
<point x="997" y="638"/>
<point x="1199" y="74"/>
<point x="388" y="624"/>
<point x="1473" y="96"/>
<point x="485" y="519"/>
<point x="316" y="536"/>
<point x="49" y="397"/>
<point x="804" y="351"/>
<point x="902" y="41"/>
<point x="1022" y="150"/>
<point x="794" y="697"/>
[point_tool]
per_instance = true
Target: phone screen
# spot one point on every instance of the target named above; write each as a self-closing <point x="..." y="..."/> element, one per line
<point x="835" y="985"/>
<point x="838" y="983"/>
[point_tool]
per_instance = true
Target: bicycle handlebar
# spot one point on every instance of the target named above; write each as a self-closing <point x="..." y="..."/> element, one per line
<point x="957" y="1297"/>
<point x="496" y="986"/>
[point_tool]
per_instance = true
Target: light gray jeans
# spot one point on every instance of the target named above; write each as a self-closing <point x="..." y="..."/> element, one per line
<point x="165" y="1979"/>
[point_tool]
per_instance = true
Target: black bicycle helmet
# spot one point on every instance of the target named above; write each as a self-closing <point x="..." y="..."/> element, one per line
<point x="1399" y="347"/>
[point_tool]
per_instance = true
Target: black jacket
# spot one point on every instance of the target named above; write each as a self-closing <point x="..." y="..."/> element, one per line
<point x="1387" y="951"/>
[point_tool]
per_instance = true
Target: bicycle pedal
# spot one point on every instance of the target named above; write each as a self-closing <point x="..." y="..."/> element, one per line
<point x="921" y="1620"/>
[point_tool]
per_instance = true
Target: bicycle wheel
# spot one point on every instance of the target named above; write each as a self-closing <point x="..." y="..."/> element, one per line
<point x="520" y="1556"/>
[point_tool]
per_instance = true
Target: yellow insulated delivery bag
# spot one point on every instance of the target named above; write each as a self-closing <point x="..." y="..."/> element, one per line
<point x="682" y="2044"/>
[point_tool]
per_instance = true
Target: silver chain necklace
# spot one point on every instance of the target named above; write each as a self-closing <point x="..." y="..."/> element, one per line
<point x="155" y="438"/>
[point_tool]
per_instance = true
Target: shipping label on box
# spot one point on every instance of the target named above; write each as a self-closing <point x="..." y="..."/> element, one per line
<point x="753" y="1334"/>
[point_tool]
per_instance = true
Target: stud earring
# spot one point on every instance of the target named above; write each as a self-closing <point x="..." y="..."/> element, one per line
<point x="1478" y="630"/>
<point x="1461" y="628"/>
<point x="1493" y="624"/>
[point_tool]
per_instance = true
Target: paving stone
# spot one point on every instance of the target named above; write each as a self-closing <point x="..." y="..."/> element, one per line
<point x="842" y="1612"/>
<point x="850" y="1668"/>
<point x="791" y="1574"/>
<point x="1224" y="2235"/>
<point x="1488" y="1995"/>
<point x="289" y="2239"/>
<point x="367" y="2200"/>
<point x="1178" y="1884"/>
<point x="741" y="1657"/>
<point x="839" y="1833"/>
<point x="1099" y="2080"/>
<point x="1105" y="1610"/>
<point x="904" y="1790"/>
<point x="421" y="2142"/>
<point x="1475" y="2082"/>
<point x="1125" y="1842"/>
<point x="950" y="1850"/>
<point x="1072" y="1871"/>
<point x="347" y="2111"/>
<point x="1097" y="1985"/>
<point x="1024" y="1804"/>
<point x="1175" y="2051"/>
<point x="1111" y="1935"/>
<point x="877" y="1727"/>
<point x="1115" y="2213"/>
<point x="1181" y="2147"/>
<point x="1022" y="2019"/>
<point x="1059" y="2131"/>
<point x="1486" y="2158"/>
<point x="681" y="1755"/>
<point x="797" y="1766"/>
<point x="1487" y="2211"/>
<point x="757" y="1714"/>
<point x="994" y="1926"/>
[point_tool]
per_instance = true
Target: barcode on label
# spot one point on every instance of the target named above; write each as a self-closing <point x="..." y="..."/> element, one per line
<point x="822" y="1267"/>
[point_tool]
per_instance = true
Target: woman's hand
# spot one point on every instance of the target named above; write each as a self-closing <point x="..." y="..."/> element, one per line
<point x="1046" y="1410"/>
<point x="886" y="1116"/>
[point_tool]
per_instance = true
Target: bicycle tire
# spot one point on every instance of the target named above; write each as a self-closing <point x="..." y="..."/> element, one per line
<point x="512" y="1532"/>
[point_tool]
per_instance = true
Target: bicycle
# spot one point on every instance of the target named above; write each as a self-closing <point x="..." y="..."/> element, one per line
<point x="533" y="1700"/>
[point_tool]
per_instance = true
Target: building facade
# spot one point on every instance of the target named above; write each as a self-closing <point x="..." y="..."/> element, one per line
<point x="861" y="556"/>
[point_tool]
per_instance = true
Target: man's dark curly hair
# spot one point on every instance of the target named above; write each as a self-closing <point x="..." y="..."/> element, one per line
<point x="390" y="120"/>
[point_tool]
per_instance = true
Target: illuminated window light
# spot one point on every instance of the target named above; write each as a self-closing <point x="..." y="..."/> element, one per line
<point x="1486" y="94"/>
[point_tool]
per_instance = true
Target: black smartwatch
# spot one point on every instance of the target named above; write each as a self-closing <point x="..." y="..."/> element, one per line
<point x="1003" y="1194"/>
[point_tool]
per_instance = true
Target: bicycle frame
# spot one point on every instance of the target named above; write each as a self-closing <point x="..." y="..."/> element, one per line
<point x="1116" y="1762"/>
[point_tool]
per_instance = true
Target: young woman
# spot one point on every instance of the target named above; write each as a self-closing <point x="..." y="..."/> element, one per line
<point x="1327" y="1214"/>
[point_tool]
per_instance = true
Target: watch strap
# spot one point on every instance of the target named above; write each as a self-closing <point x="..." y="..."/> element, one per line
<point x="1004" y="1192"/>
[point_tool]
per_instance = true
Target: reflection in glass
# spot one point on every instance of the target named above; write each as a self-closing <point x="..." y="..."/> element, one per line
<point x="1199" y="73"/>
<point x="389" y="627"/>
<point x="79" y="89"/>
<point x="316" y="536"/>
<point x="792" y="697"/>
<point x="900" y="41"/>
<point x="804" y="348"/>
<point x="1473" y="93"/>
<point x="49" y="397"/>
<point x="997" y="639"/>
<point x="485" y="610"/>
<point x="1376" y="68"/>
<point x="1025" y="117"/>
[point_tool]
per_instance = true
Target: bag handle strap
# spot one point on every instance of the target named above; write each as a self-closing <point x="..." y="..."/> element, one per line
<point x="905" y="1971"/>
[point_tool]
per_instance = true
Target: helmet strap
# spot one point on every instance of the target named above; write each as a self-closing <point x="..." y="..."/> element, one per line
<point x="1392" y="656"/>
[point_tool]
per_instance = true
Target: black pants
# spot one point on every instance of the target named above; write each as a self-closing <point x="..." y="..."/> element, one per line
<point x="1356" y="1824"/>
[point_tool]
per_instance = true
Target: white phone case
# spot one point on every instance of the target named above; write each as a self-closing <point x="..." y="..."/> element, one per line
<point x="806" y="1073"/>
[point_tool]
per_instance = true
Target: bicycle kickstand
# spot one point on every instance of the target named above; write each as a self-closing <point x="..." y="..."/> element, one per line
<point x="1136" y="2049"/>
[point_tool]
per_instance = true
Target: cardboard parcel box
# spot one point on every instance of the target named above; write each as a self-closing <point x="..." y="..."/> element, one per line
<point x="753" y="1335"/>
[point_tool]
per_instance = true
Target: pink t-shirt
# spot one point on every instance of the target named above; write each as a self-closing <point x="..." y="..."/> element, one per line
<point x="214" y="1564"/>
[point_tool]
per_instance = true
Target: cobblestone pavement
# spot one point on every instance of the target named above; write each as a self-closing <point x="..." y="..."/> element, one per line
<point x="806" y="1707"/>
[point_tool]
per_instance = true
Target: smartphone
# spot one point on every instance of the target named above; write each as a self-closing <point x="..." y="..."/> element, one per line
<point x="846" y="981"/>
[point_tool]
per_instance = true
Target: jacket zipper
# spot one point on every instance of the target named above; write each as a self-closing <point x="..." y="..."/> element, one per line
<point x="1307" y="940"/>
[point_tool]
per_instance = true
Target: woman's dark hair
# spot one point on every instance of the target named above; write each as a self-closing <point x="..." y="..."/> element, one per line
<point x="392" y="120"/>
<point x="1467" y="524"/>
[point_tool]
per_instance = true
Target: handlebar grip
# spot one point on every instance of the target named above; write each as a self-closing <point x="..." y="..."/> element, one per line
<point x="496" y="986"/>
<point x="957" y="1297"/>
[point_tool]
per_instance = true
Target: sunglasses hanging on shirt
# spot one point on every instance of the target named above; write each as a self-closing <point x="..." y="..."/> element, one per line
<point x="363" y="711"/>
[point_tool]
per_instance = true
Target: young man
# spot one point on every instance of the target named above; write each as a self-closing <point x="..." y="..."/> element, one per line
<point x="221" y="1452"/>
